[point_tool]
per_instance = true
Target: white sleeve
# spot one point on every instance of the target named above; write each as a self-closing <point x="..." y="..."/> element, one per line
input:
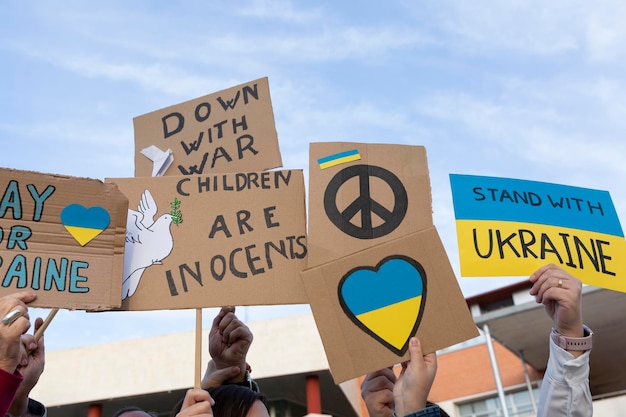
<point x="565" y="387"/>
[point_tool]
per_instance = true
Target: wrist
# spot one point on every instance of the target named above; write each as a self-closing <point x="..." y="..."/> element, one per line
<point x="9" y="367"/>
<point x="404" y="407"/>
<point x="19" y="406"/>
<point x="570" y="325"/>
<point x="577" y="330"/>
<point x="583" y="340"/>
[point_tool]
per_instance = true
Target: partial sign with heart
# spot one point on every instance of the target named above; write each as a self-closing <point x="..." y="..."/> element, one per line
<point x="84" y="224"/>
<point x="386" y="301"/>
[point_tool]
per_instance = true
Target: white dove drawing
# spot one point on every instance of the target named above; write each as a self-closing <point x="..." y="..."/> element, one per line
<point x="148" y="242"/>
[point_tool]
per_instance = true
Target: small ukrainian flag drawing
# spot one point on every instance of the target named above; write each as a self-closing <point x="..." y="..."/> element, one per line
<point x="339" y="158"/>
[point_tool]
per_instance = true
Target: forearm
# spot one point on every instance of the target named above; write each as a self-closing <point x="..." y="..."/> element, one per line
<point x="19" y="406"/>
<point x="565" y="386"/>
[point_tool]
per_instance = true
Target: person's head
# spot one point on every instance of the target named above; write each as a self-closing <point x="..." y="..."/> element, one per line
<point x="132" y="411"/>
<point x="233" y="401"/>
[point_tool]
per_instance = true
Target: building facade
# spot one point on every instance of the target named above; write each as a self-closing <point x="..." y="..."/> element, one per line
<point x="290" y="365"/>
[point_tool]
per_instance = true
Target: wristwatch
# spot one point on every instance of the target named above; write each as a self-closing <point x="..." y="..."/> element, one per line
<point x="573" y="343"/>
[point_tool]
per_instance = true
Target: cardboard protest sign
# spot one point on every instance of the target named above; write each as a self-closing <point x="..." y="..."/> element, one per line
<point x="209" y="241"/>
<point x="367" y="305"/>
<point x="361" y="195"/>
<point x="510" y="227"/>
<point x="63" y="238"/>
<point x="228" y="131"/>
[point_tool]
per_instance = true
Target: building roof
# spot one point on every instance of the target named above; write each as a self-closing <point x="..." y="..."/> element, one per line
<point x="525" y="328"/>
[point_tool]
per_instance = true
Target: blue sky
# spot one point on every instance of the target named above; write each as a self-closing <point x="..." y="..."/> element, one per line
<point x="531" y="90"/>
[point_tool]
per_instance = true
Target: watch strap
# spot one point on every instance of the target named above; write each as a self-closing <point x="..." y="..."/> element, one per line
<point x="573" y="343"/>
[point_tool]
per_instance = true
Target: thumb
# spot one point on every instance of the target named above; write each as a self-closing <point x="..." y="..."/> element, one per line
<point x="26" y="296"/>
<point x="415" y="350"/>
<point x="219" y="376"/>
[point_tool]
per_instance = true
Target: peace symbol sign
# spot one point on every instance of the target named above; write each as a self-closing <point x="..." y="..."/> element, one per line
<point x="364" y="203"/>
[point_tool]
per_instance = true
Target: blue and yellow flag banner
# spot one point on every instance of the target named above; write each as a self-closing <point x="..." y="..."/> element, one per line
<point x="511" y="227"/>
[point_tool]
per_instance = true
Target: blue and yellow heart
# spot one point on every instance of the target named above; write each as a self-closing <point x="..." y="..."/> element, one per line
<point x="84" y="224"/>
<point x="386" y="301"/>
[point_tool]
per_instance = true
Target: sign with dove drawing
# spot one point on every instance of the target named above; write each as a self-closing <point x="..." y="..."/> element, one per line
<point x="208" y="241"/>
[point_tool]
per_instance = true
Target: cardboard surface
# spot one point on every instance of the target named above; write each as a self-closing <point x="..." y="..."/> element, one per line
<point x="366" y="308"/>
<point x="62" y="237"/>
<point x="209" y="241"/>
<point x="228" y="131"/>
<point x="510" y="227"/>
<point x="362" y="195"/>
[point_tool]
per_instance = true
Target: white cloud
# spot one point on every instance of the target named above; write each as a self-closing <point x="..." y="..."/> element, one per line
<point x="279" y="10"/>
<point x="605" y="31"/>
<point x="591" y="31"/>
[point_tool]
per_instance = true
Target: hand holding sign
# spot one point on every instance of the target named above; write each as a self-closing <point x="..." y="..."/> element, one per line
<point x="14" y="324"/>
<point x="416" y="378"/>
<point x="560" y="293"/>
<point x="197" y="403"/>
<point x="31" y="369"/>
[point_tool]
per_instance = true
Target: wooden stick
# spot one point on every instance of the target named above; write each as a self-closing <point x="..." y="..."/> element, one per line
<point x="198" y="362"/>
<point x="45" y="324"/>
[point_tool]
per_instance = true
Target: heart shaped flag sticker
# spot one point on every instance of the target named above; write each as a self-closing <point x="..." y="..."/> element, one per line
<point x="386" y="301"/>
<point x="84" y="224"/>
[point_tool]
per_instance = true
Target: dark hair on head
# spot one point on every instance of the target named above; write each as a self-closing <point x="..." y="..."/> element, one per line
<point x="126" y="409"/>
<point x="230" y="401"/>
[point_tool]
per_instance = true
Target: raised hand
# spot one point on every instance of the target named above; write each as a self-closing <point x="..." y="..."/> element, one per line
<point x="229" y="341"/>
<point x="377" y="392"/>
<point x="415" y="380"/>
<point x="197" y="403"/>
<point x="560" y="293"/>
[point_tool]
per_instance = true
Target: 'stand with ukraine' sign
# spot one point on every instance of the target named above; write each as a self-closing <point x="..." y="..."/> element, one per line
<point x="510" y="227"/>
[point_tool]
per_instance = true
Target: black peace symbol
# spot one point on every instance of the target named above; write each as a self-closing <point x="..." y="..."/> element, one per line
<point x="365" y="204"/>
